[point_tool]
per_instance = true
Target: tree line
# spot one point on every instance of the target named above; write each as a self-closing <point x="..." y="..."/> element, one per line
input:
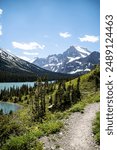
<point x="14" y="94"/>
<point x="6" y="76"/>
<point x="64" y="96"/>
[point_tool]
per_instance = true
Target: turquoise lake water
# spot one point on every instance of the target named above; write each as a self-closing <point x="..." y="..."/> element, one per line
<point x="7" y="107"/>
<point x="15" y="84"/>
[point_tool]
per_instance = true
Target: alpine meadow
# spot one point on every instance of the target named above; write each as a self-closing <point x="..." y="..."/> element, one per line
<point x="50" y="75"/>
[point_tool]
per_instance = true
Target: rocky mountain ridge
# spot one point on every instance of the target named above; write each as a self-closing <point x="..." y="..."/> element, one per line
<point x="73" y="60"/>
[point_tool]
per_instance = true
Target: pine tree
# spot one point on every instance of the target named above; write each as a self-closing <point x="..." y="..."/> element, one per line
<point x="78" y="89"/>
<point x="38" y="103"/>
<point x="97" y="81"/>
<point x="56" y="100"/>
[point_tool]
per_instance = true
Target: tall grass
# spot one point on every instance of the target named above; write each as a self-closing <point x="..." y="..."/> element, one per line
<point x="96" y="128"/>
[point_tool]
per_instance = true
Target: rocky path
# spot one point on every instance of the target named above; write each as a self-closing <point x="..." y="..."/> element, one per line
<point x="77" y="134"/>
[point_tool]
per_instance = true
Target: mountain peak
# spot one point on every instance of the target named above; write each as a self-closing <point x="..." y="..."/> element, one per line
<point x="83" y="50"/>
<point x="70" y="61"/>
<point x="72" y="47"/>
<point x="77" y="51"/>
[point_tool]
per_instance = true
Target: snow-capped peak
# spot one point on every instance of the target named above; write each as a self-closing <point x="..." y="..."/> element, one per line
<point x="7" y="55"/>
<point x="83" y="50"/>
<point x="73" y="60"/>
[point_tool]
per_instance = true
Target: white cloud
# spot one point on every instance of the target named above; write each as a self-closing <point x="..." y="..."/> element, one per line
<point x="65" y="34"/>
<point x="0" y="29"/>
<point x="31" y="54"/>
<point x="89" y="38"/>
<point x="1" y="11"/>
<point x="27" y="46"/>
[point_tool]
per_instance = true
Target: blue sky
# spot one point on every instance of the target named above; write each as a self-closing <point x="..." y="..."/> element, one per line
<point x="31" y="28"/>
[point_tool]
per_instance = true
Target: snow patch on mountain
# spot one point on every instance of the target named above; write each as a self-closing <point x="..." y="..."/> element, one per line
<point x="73" y="60"/>
<point x="83" y="50"/>
<point x="75" y="71"/>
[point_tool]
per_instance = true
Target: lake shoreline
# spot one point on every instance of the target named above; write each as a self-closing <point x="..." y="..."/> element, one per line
<point x="9" y="106"/>
<point x="8" y="85"/>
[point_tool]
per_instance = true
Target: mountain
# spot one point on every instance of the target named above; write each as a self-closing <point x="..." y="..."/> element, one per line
<point x="73" y="60"/>
<point x="13" y="68"/>
<point x="11" y="63"/>
<point x="84" y="64"/>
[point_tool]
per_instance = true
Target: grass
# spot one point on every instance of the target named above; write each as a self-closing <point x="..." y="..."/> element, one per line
<point x="23" y="142"/>
<point x="79" y="107"/>
<point x="51" y="127"/>
<point x="88" y="91"/>
<point x="90" y="98"/>
<point x="33" y="130"/>
<point x="57" y="115"/>
<point x="96" y="128"/>
<point x="53" y="121"/>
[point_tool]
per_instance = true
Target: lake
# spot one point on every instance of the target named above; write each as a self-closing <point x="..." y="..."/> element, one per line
<point x="7" y="107"/>
<point x="7" y="85"/>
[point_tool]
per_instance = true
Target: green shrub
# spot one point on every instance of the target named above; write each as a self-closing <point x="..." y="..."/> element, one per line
<point x="51" y="127"/>
<point x="57" y="115"/>
<point x="18" y="143"/>
<point x="8" y="128"/>
<point x="94" y="97"/>
<point x="38" y="133"/>
<point x="24" y="142"/>
<point x="96" y="128"/>
<point x="79" y="107"/>
<point x="38" y="146"/>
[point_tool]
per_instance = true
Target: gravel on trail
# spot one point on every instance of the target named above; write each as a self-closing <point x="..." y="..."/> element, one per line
<point x="77" y="132"/>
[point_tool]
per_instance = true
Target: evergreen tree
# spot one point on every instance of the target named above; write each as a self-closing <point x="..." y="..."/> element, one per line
<point x="78" y="89"/>
<point x="38" y="103"/>
<point x="1" y="111"/>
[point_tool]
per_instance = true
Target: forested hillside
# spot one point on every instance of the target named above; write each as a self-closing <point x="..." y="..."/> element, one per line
<point x="14" y="69"/>
<point x="44" y="107"/>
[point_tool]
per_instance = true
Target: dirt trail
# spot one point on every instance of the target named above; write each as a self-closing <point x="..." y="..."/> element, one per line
<point x="77" y="134"/>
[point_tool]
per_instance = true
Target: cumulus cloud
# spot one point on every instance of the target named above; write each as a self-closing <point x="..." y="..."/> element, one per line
<point x="27" y="46"/>
<point x="31" y="54"/>
<point x="0" y="29"/>
<point x="89" y="38"/>
<point x="1" y="11"/>
<point x="65" y="34"/>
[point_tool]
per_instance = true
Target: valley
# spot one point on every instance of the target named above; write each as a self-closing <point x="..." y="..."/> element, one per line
<point x="14" y="69"/>
<point x="72" y="63"/>
<point x="45" y="107"/>
<point x="50" y="75"/>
